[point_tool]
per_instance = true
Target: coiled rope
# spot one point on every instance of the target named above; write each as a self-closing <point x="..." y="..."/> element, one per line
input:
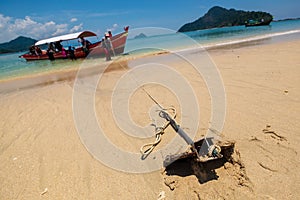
<point x="147" y="148"/>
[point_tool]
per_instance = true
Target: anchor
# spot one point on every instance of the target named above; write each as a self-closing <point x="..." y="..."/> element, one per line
<point x="199" y="153"/>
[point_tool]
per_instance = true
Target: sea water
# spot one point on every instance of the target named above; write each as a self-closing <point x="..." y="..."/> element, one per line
<point x="158" y="39"/>
<point x="171" y="40"/>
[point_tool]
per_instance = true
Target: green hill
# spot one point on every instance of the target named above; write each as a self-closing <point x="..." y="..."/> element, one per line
<point x="221" y="17"/>
<point x="19" y="44"/>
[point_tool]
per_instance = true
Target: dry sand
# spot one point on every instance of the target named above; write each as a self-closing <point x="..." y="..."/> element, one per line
<point x="42" y="157"/>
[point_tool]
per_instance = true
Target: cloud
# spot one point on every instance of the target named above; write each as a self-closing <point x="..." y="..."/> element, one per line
<point x="4" y="21"/>
<point x="61" y="29"/>
<point x="11" y="28"/>
<point x="76" y="28"/>
<point x="21" y="24"/>
<point x="113" y="28"/>
<point x="73" y="20"/>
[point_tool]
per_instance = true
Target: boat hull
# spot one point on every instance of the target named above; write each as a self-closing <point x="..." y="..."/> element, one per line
<point x="95" y="50"/>
<point x="266" y="23"/>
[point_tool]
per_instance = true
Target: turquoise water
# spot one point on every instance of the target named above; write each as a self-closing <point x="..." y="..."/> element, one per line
<point x="241" y="32"/>
<point x="11" y="66"/>
<point x="211" y="37"/>
<point x="157" y="39"/>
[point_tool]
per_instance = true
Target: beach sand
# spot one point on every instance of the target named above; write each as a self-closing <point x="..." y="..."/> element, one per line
<point x="42" y="156"/>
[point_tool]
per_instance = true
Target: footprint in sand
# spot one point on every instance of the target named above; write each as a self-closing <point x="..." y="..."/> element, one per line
<point x="273" y="134"/>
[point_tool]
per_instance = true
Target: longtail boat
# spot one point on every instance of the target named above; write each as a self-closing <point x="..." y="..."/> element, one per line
<point x="93" y="49"/>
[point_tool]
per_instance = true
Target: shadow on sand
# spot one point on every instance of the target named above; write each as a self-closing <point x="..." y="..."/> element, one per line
<point x="205" y="171"/>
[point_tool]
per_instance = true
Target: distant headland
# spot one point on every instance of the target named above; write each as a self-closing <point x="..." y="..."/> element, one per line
<point x="222" y="17"/>
<point x="21" y="43"/>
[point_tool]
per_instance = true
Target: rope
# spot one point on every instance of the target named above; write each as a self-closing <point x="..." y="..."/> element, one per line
<point x="152" y="98"/>
<point x="214" y="150"/>
<point x="147" y="148"/>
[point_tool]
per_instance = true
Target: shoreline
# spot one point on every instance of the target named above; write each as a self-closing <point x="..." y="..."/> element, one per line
<point x="49" y="77"/>
<point x="46" y="78"/>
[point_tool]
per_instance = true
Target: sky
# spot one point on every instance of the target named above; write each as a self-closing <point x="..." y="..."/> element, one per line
<point x="43" y="19"/>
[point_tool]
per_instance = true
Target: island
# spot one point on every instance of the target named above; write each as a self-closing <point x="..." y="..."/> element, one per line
<point x="139" y="36"/>
<point x="221" y="17"/>
<point x="21" y="43"/>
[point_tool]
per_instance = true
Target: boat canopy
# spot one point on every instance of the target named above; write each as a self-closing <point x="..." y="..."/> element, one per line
<point x="66" y="37"/>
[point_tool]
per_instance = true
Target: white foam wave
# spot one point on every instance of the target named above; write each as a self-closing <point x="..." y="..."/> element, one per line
<point x="239" y="41"/>
<point x="250" y="39"/>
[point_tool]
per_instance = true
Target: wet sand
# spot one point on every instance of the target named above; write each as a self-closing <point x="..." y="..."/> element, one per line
<point x="42" y="156"/>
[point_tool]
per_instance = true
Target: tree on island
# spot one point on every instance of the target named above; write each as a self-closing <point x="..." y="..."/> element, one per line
<point x="221" y="17"/>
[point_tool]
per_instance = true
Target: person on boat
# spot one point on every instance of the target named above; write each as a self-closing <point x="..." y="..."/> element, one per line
<point x="38" y="50"/>
<point x="85" y="45"/>
<point x="51" y="51"/>
<point x="71" y="53"/>
<point x="32" y="50"/>
<point x="51" y="46"/>
<point x="58" y="46"/>
<point x="63" y="52"/>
